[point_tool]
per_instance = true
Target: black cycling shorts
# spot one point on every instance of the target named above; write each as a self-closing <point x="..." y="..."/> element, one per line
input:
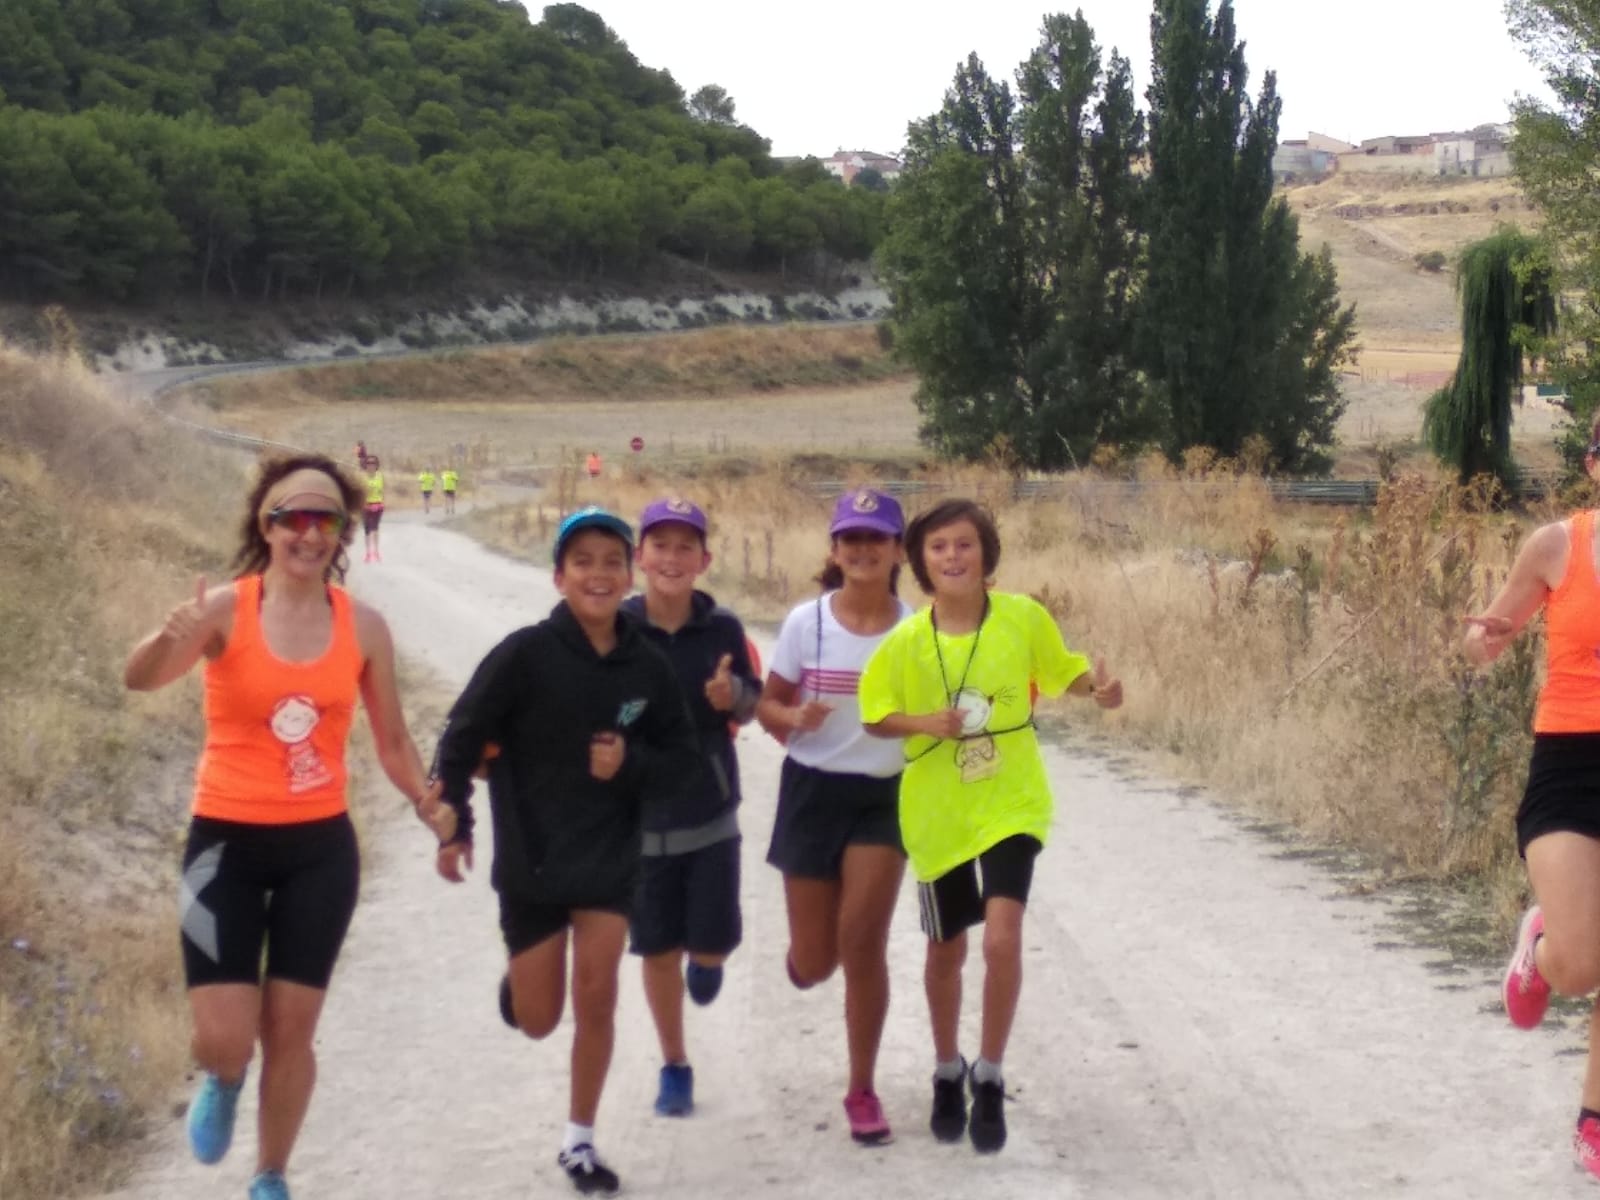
<point x="287" y="889"/>
<point x="954" y="902"/>
<point x="1563" y="791"/>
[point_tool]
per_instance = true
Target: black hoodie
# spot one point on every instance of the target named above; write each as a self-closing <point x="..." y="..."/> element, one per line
<point x="561" y="835"/>
<point x="673" y="802"/>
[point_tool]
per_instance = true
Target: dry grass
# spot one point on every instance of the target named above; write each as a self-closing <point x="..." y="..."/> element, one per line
<point x="1376" y="225"/>
<point x="709" y="362"/>
<point x="102" y="514"/>
<point x="1301" y="661"/>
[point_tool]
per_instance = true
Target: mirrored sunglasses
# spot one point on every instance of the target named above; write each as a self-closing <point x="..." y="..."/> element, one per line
<point x="330" y="523"/>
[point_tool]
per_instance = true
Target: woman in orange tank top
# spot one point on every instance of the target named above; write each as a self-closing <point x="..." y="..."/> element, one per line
<point x="1558" y="823"/>
<point x="271" y="869"/>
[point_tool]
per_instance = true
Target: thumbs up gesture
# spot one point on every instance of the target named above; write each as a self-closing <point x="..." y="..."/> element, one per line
<point x="186" y="622"/>
<point x="719" y="688"/>
<point x="1107" y="692"/>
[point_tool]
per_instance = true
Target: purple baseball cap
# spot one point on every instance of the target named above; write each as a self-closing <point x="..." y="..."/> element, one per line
<point x="868" y="509"/>
<point x="672" y="508"/>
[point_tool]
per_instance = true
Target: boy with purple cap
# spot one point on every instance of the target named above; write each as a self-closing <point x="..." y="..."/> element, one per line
<point x="836" y="834"/>
<point x="688" y="898"/>
<point x="584" y="711"/>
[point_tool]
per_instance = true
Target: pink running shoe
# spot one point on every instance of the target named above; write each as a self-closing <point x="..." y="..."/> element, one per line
<point x="867" y="1124"/>
<point x="1586" y="1145"/>
<point x="1526" y="993"/>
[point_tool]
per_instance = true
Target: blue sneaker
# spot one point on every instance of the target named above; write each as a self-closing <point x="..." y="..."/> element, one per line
<point x="269" y="1185"/>
<point x="703" y="982"/>
<point x="676" y="1097"/>
<point x="211" y="1115"/>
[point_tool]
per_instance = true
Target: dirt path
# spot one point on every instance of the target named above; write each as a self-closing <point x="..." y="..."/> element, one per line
<point x="1204" y="1016"/>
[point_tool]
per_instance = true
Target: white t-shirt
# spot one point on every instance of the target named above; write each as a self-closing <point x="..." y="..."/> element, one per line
<point x="842" y="744"/>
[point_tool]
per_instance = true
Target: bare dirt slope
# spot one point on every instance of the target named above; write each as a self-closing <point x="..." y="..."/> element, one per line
<point x="1204" y="1016"/>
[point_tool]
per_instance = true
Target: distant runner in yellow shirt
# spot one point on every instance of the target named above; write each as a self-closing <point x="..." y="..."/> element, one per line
<point x="372" y="514"/>
<point x="450" y="480"/>
<point x="425" y="482"/>
<point x="975" y="807"/>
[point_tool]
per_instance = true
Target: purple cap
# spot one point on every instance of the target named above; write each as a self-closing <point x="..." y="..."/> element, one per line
<point x="867" y="509"/>
<point x="673" y="508"/>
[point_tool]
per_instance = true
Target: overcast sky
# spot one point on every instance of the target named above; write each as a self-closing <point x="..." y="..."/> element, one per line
<point x="821" y="75"/>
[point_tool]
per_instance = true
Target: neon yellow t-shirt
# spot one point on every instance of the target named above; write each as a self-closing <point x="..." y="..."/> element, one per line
<point x="958" y="798"/>
<point x="375" y="488"/>
<point x="450" y="480"/>
<point x="425" y="481"/>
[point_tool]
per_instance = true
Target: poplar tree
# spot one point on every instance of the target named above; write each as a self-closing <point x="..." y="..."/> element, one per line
<point x="1011" y="256"/>
<point x="1239" y="333"/>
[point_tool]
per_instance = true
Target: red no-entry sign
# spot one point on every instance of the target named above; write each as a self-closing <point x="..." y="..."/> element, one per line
<point x="636" y="445"/>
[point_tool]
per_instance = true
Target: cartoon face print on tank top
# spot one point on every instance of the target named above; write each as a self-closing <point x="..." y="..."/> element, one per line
<point x="292" y="722"/>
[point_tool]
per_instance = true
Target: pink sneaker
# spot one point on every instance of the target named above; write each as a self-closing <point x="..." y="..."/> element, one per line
<point x="1586" y="1145"/>
<point x="867" y="1124"/>
<point x="1526" y="993"/>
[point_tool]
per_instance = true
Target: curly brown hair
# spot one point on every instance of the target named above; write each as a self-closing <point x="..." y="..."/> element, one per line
<point x="254" y="554"/>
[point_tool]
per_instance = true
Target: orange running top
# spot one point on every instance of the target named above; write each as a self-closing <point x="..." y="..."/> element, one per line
<point x="275" y="730"/>
<point x="1569" y="702"/>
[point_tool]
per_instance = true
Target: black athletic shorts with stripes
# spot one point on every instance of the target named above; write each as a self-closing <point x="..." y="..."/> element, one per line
<point x="954" y="902"/>
<point x="287" y="889"/>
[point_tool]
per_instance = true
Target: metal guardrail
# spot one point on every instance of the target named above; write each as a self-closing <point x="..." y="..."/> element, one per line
<point x="1348" y="493"/>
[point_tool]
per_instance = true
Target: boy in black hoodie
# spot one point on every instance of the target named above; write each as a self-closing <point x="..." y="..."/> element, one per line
<point x="688" y="900"/>
<point x="584" y="710"/>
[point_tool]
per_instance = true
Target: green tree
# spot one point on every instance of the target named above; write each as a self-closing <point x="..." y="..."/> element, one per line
<point x="1507" y="307"/>
<point x="713" y="105"/>
<point x="1239" y="333"/>
<point x="1556" y="156"/>
<point x="1011" y="254"/>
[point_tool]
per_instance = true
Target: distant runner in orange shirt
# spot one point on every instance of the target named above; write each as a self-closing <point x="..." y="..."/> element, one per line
<point x="592" y="465"/>
<point x="271" y="864"/>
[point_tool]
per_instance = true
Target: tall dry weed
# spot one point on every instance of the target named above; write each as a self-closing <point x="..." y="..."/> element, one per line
<point x="105" y="516"/>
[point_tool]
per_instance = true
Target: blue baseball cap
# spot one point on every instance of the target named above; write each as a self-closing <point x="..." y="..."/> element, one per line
<point x="591" y="518"/>
<point x="673" y="508"/>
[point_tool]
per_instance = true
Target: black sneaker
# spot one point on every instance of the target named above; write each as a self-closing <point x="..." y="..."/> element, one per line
<point x="987" y="1128"/>
<point x="507" y="1013"/>
<point x="949" y="1120"/>
<point x="588" y="1174"/>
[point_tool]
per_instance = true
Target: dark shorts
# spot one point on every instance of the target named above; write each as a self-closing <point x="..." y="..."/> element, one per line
<point x="1563" y="792"/>
<point x="688" y="902"/>
<point x="427" y="495"/>
<point x="289" y="888"/>
<point x="820" y="813"/>
<point x="524" y="924"/>
<point x="370" y="516"/>
<point x="953" y="903"/>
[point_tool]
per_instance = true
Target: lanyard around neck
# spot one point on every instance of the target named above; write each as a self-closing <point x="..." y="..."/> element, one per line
<point x="944" y="679"/>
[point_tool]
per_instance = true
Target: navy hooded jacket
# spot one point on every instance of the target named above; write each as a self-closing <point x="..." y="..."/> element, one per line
<point x="701" y="796"/>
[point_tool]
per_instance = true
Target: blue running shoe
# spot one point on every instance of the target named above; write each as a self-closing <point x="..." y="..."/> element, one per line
<point x="211" y="1115"/>
<point x="703" y="982"/>
<point x="269" y="1185"/>
<point x="676" y="1097"/>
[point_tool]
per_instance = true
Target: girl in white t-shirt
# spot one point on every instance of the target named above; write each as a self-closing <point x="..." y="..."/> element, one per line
<point x="836" y="835"/>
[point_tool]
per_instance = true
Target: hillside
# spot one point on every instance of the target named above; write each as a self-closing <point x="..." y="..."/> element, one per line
<point x="1408" y="321"/>
<point x="311" y="148"/>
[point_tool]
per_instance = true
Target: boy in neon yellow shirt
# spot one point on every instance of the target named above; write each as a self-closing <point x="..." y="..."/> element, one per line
<point x="425" y="482"/>
<point x="955" y="681"/>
